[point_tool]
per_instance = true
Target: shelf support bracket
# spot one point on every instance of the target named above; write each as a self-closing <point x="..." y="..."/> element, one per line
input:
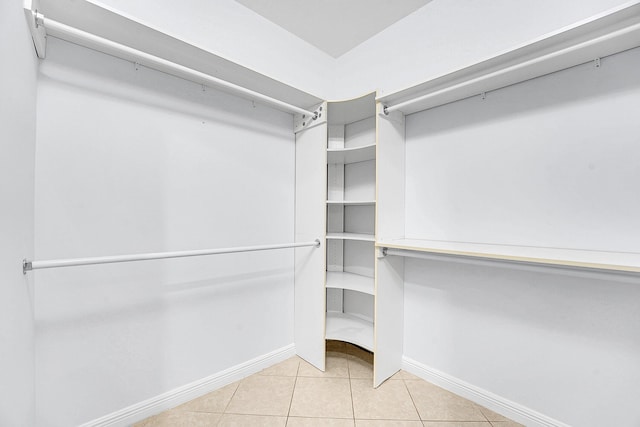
<point x="38" y="32"/>
<point x="306" y="121"/>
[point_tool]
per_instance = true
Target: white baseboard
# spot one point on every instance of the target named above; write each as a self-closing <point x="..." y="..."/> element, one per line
<point x="509" y="409"/>
<point x="180" y="395"/>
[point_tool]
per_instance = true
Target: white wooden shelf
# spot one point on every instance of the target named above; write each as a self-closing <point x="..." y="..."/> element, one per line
<point x="602" y="260"/>
<point x="103" y="21"/>
<point x="351" y="110"/>
<point x="351" y="236"/>
<point x="351" y="155"/>
<point x="350" y="281"/>
<point x="343" y="327"/>
<point x="602" y="35"/>
<point x="352" y="202"/>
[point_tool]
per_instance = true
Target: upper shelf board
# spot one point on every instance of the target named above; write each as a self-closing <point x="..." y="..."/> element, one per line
<point x="351" y="155"/>
<point x="351" y="110"/>
<point x="613" y="31"/>
<point x="97" y="19"/>
<point x="601" y="260"/>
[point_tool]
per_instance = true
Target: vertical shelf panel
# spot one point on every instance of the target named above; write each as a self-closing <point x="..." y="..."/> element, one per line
<point x="390" y="219"/>
<point x="389" y="318"/>
<point x="390" y="212"/>
<point x="311" y="188"/>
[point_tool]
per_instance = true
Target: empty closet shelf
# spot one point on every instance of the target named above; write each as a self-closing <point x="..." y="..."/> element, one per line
<point x="350" y="281"/>
<point x="351" y="236"/>
<point x="344" y="327"/>
<point x="351" y="155"/>
<point x="593" y="259"/>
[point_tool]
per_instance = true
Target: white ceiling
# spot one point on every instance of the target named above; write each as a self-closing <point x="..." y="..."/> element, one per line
<point x="334" y="26"/>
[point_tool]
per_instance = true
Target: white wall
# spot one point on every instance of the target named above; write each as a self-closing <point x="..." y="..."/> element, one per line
<point x="137" y="161"/>
<point x="446" y="35"/>
<point x="562" y="343"/>
<point x="551" y="162"/>
<point x="17" y="145"/>
<point x="236" y="33"/>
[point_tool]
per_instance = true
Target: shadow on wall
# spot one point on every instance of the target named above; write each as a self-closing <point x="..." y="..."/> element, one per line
<point x="574" y="85"/>
<point x="602" y="306"/>
<point x="122" y="80"/>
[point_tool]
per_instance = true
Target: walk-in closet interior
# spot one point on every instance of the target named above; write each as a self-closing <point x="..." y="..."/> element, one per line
<point x="195" y="191"/>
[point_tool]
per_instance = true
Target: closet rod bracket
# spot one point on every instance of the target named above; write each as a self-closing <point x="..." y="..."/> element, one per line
<point x="306" y="121"/>
<point x="37" y="30"/>
<point x="26" y="266"/>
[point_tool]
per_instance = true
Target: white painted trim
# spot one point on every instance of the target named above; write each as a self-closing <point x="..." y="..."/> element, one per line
<point x="180" y="395"/>
<point x="492" y="401"/>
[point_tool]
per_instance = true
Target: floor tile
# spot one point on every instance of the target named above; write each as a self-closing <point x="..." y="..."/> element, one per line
<point x="390" y="401"/>
<point x="236" y="420"/>
<point x="181" y="419"/>
<point x="492" y="416"/>
<point x="335" y="367"/>
<point x="404" y="375"/>
<point x="286" y="368"/>
<point x="388" y="423"/>
<point x="359" y="368"/>
<point x="437" y="404"/>
<point x="507" y="423"/>
<point x="322" y="397"/>
<point x="319" y="422"/>
<point x="262" y="395"/>
<point x="456" y="424"/>
<point x="294" y="393"/>
<point x="216" y="401"/>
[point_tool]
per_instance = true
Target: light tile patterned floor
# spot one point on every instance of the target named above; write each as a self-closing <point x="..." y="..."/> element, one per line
<point x="295" y="394"/>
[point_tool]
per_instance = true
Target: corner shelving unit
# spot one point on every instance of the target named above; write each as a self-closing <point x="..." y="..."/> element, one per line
<point x="350" y="210"/>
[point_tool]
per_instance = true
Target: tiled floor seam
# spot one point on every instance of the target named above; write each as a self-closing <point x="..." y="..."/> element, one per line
<point x="295" y="381"/>
<point x="353" y="409"/>
<point x="412" y="401"/>
<point x="224" y="411"/>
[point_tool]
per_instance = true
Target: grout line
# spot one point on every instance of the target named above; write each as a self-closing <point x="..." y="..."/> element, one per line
<point x="346" y="356"/>
<point x="353" y="410"/>
<point x="412" y="401"/>
<point x="485" y="416"/>
<point x="224" y="411"/>
<point x="295" y="382"/>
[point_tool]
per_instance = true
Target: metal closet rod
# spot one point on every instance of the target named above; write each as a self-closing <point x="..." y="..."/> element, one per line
<point x="63" y="31"/>
<point x="512" y="69"/>
<point x="55" y="263"/>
